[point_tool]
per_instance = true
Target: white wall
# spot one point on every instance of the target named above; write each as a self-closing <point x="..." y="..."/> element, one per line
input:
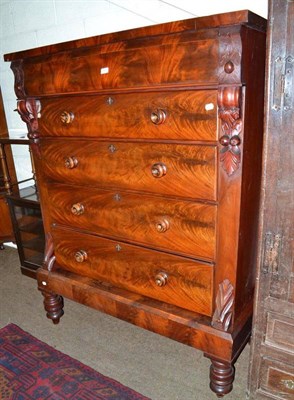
<point x="32" y="23"/>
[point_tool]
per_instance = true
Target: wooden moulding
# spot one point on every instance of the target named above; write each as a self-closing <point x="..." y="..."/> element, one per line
<point x="242" y="17"/>
<point x="175" y="323"/>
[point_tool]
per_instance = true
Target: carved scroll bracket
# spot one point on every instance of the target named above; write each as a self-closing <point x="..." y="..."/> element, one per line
<point x="231" y="127"/>
<point x="224" y="306"/>
<point x="17" y="68"/>
<point x="49" y="258"/>
<point x="29" y="111"/>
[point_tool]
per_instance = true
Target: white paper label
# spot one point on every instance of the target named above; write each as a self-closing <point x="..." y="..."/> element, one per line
<point x="209" y="106"/>
<point x="104" y="70"/>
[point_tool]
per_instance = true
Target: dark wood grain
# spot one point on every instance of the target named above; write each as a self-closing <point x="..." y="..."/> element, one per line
<point x="242" y="188"/>
<point x="252" y="150"/>
<point x="6" y="230"/>
<point x="276" y="379"/>
<point x="133" y="217"/>
<point x="237" y="17"/>
<point x="127" y="116"/>
<point x="221" y="377"/>
<point x="125" y="133"/>
<point x="183" y="325"/>
<point x="168" y="320"/>
<point x="154" y="65"/>
<point x="272" y="345"/>
<point x="189" y="283"/>
<point x="190" y="169"/>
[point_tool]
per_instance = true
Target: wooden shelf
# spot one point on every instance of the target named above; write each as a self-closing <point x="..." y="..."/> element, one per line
<point x="36" y="244"/>
<point x="33" y="227"/>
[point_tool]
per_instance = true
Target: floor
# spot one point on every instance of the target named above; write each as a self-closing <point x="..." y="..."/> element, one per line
<point x="155" y="366"/>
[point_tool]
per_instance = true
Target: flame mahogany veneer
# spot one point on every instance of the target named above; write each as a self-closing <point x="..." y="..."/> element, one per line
<point x="147" y="145"/>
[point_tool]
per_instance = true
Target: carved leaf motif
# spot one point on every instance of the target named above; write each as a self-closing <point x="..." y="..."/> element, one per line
<point x="224" y="304"/>
<point x="230" y="159"/>
<point x="231" y="127"/>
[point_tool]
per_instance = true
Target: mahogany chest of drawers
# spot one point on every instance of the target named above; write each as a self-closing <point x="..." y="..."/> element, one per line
<point x="147" y="145"/>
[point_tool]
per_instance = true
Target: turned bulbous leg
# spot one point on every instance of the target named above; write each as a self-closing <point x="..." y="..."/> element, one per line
<point x="221" y="377"/>
<point x="53" y="304"/>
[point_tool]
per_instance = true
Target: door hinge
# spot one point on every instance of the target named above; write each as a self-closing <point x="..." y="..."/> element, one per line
<point x="283" y="83"/>
<point x="272" y="250"/>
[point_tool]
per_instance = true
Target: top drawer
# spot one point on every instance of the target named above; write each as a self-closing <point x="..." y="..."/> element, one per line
<point x="113" y="68"/>
<point x="175" y="115"/>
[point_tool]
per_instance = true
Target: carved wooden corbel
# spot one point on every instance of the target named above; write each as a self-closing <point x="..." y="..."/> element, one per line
<point x="17" y="69"/>
<point x="231" y="127"/>
<point x="29" y="111"/>
<point x="224" y="306"/>
<point x="49" y="258"/>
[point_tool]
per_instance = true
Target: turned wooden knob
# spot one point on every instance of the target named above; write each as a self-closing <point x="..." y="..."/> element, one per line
<point x="67" y="117"/>
<point x="158" y="117"/>
<point x="162" y="226"/>
<point x="158" y="170"/>
<point x="70" y="162"/>
<point x="161" y="279"/>
<point x="81" y="256"/>
<point x="77" y="209"/>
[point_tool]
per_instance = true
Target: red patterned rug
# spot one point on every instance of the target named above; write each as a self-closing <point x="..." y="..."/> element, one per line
<point x="30" y="369"/>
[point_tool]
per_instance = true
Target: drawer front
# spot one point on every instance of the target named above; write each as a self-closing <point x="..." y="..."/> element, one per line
<point x="277" y="379"/>
<point x="168" y="115"/>
<point x="177" y="170"/>
<point x="184" y="283"/>
<point x="180" y="226"/>
<point x="178" y="63"/>
<point x="280" y="332"/>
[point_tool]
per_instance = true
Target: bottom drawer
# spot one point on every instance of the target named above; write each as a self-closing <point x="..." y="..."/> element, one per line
<point x="277" y="379"/>
<point x="175" y="280"/>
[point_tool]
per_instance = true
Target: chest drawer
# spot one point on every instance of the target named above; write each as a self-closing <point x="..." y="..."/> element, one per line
<point x="115" y="67"/>
<point x="177" y="170"/>
<point x="172" y="279"/>
<point x="175" y="225"/>
<point x="280" y="332"/>
<point x="277" y="379"/>
<point x="177" y="115"/>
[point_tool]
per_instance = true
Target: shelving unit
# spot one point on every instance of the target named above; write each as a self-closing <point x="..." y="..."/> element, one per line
<point x="28" y="229"/>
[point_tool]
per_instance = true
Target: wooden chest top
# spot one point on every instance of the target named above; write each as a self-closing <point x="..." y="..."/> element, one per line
<point x="196" y="51"/>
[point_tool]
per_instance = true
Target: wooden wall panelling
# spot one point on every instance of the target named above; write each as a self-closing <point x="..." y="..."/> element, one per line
<point x="272" y="353"/>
